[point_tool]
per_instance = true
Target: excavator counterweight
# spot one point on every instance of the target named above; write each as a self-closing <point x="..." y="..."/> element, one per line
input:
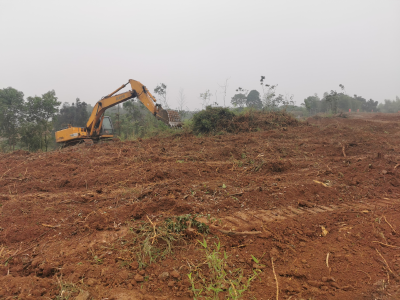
<point x="99" y="127"/>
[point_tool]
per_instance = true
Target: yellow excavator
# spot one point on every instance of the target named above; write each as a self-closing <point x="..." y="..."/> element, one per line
<point x="99" y="127"/>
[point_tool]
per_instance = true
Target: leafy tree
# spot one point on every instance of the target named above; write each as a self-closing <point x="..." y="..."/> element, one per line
<point x="253" y="100"/>
<point x="11" y="114"/>
<point x="41" y="112"/>
<point x="239" y="100"/>
<point x="76" y="114"/>
<point x="389" y="106"/>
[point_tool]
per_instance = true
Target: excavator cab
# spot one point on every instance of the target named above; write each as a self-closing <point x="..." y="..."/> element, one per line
<point x="107" y="129"/>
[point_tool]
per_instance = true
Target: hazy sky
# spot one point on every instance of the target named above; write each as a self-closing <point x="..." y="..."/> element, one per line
<point x="87" y="49"/>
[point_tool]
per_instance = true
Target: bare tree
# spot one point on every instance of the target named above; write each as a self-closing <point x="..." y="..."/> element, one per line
<point x="205" y="97"/>
<point x="224" y="88"/>
<point x="181" y="103"/>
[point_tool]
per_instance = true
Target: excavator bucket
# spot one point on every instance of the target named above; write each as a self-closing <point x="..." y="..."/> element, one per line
<point x="169" y="117"/>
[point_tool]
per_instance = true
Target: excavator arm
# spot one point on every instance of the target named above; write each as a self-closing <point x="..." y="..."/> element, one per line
<point x="138" y="90"/>
<point x="93" y="127"/>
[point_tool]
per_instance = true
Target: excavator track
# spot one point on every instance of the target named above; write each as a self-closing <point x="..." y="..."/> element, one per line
<point x="247" y="220"/>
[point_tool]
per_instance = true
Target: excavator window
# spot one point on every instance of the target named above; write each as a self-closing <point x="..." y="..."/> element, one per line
<point x="107" y="127"/>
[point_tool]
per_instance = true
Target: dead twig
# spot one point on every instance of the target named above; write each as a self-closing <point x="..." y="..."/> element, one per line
<point x="154" y="228"/>
<point x="389" y="224"/>
<point x="387" y="265"/>
<point x="365" y="274"/>
<point x="385" y="244"/>
<point x="276" y="279"/>
<point x="51" y="226"/>
<point x="344" y="153"/>
<point x="17" y="253"/>
<point x="234" y="232"/>
<point x="327" y="260"/>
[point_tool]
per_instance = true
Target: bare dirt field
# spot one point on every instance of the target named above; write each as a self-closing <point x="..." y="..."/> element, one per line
<point x="298" y="212"/>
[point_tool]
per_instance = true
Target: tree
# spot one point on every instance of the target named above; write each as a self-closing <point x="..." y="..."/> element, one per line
<point x="239" y="100"/>
<point x="224" y="88"/>
<point x="11" y="114"/>
<point x="76" y="114"/>
<point x="182" y="103"/>
<point x="41" y="111"/>
<point x="161" y="90"/>
<point x="205" y="98"/>
<point x="253" y="100"/>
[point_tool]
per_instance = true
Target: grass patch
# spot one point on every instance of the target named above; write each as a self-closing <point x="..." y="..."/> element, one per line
<point x="153" y="242"/>
<point x="217" y="278"/>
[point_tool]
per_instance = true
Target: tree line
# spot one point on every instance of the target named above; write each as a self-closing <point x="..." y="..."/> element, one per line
<point x="31" y="123"/>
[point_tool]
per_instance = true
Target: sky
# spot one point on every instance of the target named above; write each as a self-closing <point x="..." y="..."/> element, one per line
<point x="86" y="49"/>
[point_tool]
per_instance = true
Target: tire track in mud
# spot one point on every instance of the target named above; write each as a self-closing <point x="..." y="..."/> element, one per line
<point x="250" y="220"/>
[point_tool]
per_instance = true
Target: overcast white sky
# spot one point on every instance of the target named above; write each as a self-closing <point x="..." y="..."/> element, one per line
<point x="87" y="49"/>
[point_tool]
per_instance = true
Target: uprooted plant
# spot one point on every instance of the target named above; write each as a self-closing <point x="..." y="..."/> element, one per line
<point x="152" y="242"/>
<point x="216" y="278"/>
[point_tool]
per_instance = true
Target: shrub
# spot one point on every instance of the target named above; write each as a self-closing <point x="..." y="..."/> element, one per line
<point x="210" y="119"/>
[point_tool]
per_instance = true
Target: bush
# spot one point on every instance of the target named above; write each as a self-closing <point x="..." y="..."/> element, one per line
<point x="209" y="120"/>
<point x="217" y="120"/>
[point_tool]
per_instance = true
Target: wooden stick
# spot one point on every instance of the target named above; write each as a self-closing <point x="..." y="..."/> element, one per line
<point x="344" y="153"/>
<point x="276" y="279"/>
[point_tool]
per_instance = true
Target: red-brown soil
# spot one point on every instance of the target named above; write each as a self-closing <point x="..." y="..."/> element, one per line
<point x="66" y="216"/>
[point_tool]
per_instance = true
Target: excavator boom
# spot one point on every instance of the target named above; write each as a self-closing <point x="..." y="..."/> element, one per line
<point x="95" y="122"/>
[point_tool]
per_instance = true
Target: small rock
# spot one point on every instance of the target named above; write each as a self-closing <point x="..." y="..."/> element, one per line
<point x="142" y="272"/>
<point x="175" y="274"/>
<point x="171" y="283"/>
<point x="163" y="276"/>
<point x="134" y="265"/>
<point x="83" y="295"/>
<point x="384" y="172"/>
<point x="304" y="261"/>
<point x="138" y="278"/>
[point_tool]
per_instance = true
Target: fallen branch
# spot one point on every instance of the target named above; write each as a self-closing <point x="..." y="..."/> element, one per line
<point x="276" y="279"/>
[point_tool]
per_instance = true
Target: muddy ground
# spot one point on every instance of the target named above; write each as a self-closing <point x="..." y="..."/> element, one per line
<point x="302" y="212"/>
